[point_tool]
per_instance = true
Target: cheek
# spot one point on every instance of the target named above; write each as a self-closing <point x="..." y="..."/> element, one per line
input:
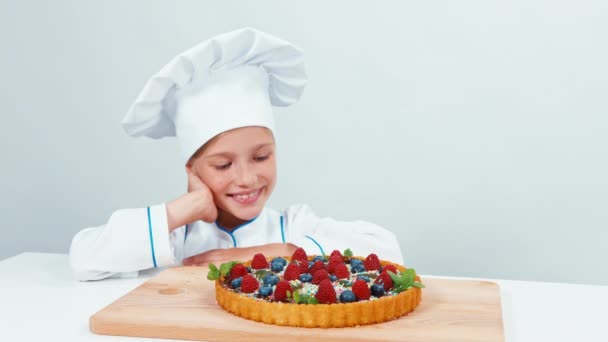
<point x="217" y="183"/>
<point x="270" y="173"/>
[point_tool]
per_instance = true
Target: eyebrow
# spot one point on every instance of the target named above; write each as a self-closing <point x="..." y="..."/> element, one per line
<point x="227" y="154"/>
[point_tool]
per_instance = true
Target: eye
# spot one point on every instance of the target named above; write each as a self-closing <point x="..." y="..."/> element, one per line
<point x="223" y="166"/>
<point x="262" y="158"/>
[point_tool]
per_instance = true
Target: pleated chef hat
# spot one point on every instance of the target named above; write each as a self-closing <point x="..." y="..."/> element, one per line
<point x="229" y="81"/>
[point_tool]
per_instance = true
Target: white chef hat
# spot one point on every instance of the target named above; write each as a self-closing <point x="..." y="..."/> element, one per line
<point x="229" y="81"/>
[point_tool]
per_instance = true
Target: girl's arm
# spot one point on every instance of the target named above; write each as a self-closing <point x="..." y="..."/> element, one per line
<point x="314" y="234"/>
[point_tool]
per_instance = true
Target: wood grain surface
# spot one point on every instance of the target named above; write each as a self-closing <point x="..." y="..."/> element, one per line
<point x="179" y="303"/>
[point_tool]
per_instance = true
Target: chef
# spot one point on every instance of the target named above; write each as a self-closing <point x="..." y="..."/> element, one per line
<point x="217" y="99"/>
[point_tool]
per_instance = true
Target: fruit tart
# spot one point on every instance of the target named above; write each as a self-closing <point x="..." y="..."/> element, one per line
<point x="319" y="291"/>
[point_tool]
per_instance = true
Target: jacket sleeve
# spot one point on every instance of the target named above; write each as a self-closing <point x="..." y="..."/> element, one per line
<point x="132" y="240"/>
<point x="323" y="235"/>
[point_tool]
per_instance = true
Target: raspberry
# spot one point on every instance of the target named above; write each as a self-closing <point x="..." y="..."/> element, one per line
<point x="237" y="270"/>
<point x="292" y="272"/>
<point x="318" y="265"/>
<point x="259" y="261"/>
<point x="336" y="252"/>
<point x="371" y="262"/>
<point x="326" y="294"/>
<point x="303" y="264"/>
<point x="333" y="263"/>
<point x="299" y="254"/>
<point x="341" y="271"/>
<point x="391" y="268"/>
<point x="280" y="292"/>
<point x="319" y="276"/>
<point x="249" y="284"/>
<point x="361" y="290"/>
<point x="385" y="279"/>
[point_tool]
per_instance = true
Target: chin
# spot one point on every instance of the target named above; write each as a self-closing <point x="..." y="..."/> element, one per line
<point x="248" y="213"/>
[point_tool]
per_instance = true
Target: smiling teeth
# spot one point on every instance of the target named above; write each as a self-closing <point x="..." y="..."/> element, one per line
<point x="243" y="197"/>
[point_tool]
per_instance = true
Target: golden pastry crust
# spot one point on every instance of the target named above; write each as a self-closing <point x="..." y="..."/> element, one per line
<point x="337" y="315"/>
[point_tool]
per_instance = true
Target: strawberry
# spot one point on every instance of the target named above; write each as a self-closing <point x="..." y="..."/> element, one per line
<point x="371" y="262"/>
<point x="318" y="265"/>
<point x="259" y="261"/>
<point x="319" y="276"/>
<point x="341" y="271"/>
<point x="237" y="270"/>
<point x="280" y="292"/>
<point x="326" y="294"/>
<point x="333" y="262"/>
<point x="292" y="272"/>
<point x="249" y="284"/>
<point x="391" y="268"/>
<point x="385" y="279"/>
<point x="361" y="290"/>
<point x="299" y="254"/>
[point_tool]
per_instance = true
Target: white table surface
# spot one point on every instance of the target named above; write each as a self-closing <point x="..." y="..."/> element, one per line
<point x="40" y="301"/>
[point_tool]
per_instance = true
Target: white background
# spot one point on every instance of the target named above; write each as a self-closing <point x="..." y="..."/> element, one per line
<point x="475" y="130"/>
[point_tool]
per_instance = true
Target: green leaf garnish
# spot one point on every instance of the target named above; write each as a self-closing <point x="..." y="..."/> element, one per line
<point x="313" y="300"/>
<point x="296" y="297"/>
<point x="261" y="273"/>
<point x="288" y="294"/>
<point x="405" y="281"/>
<point x="214" y="273"/>
<point x="348" y="253"/>
<point x="226" y="267"/>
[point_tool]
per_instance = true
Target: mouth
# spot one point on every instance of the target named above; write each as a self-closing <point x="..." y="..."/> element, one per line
<point x="247" y="197"/>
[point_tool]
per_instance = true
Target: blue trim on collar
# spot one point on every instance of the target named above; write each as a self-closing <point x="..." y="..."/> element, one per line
<point x="282" y="231"/>
<point x="316" y="243"/>
<point x="151" y="237"/>
<point x="231" y="233"/>
<point x="185" y="234"/>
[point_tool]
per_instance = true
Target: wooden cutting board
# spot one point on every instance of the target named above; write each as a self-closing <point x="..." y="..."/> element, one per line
<point x="179" y="303"/>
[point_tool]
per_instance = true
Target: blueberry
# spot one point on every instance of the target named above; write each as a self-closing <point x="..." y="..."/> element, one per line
<point x="236" y="283"/>
<point x="356" y="261"/>
<point x="333" y="277"/>
<point x="305" y="278"/>
<point x="276" y="266"/>
<point x="364" y="278"/>
<point x="377" y="290"/>
<point x="270" y="279"/>
<point x="280" y="260"/>
<point x="319" y="257"/>
<point x="265" y="291"/>
<point x="347" y="297"/>
<point x="357" y="268"/>
<point x="310" y="264"/>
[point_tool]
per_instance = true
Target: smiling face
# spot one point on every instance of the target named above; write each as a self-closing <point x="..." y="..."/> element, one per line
<point x="239" y="167"/>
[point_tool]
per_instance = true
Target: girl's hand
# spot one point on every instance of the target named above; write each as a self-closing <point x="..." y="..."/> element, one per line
<point x="206" y="209"/>
<point x="218" y="256"/>
<point x="196" y="205"/>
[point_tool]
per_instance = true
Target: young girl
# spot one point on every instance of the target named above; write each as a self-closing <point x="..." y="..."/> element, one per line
<point x="217" y="99"/>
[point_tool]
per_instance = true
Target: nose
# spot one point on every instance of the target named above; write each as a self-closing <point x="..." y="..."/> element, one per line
<point x="246" y="176"/>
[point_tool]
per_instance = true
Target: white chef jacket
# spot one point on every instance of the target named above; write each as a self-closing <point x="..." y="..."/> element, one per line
<point x="138" y="239"/>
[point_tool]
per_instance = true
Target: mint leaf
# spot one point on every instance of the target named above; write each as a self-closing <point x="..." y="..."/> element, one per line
<point x="296" y="297"/>
<point x="214" y="273"/>
<point x="226" y="267"/>
<point x="288" y="294"/>
<point x="418" y="285"/>
<point x="394" y="277"/>
<point x="313" y="300"/>
<point x="348" y="253"/>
